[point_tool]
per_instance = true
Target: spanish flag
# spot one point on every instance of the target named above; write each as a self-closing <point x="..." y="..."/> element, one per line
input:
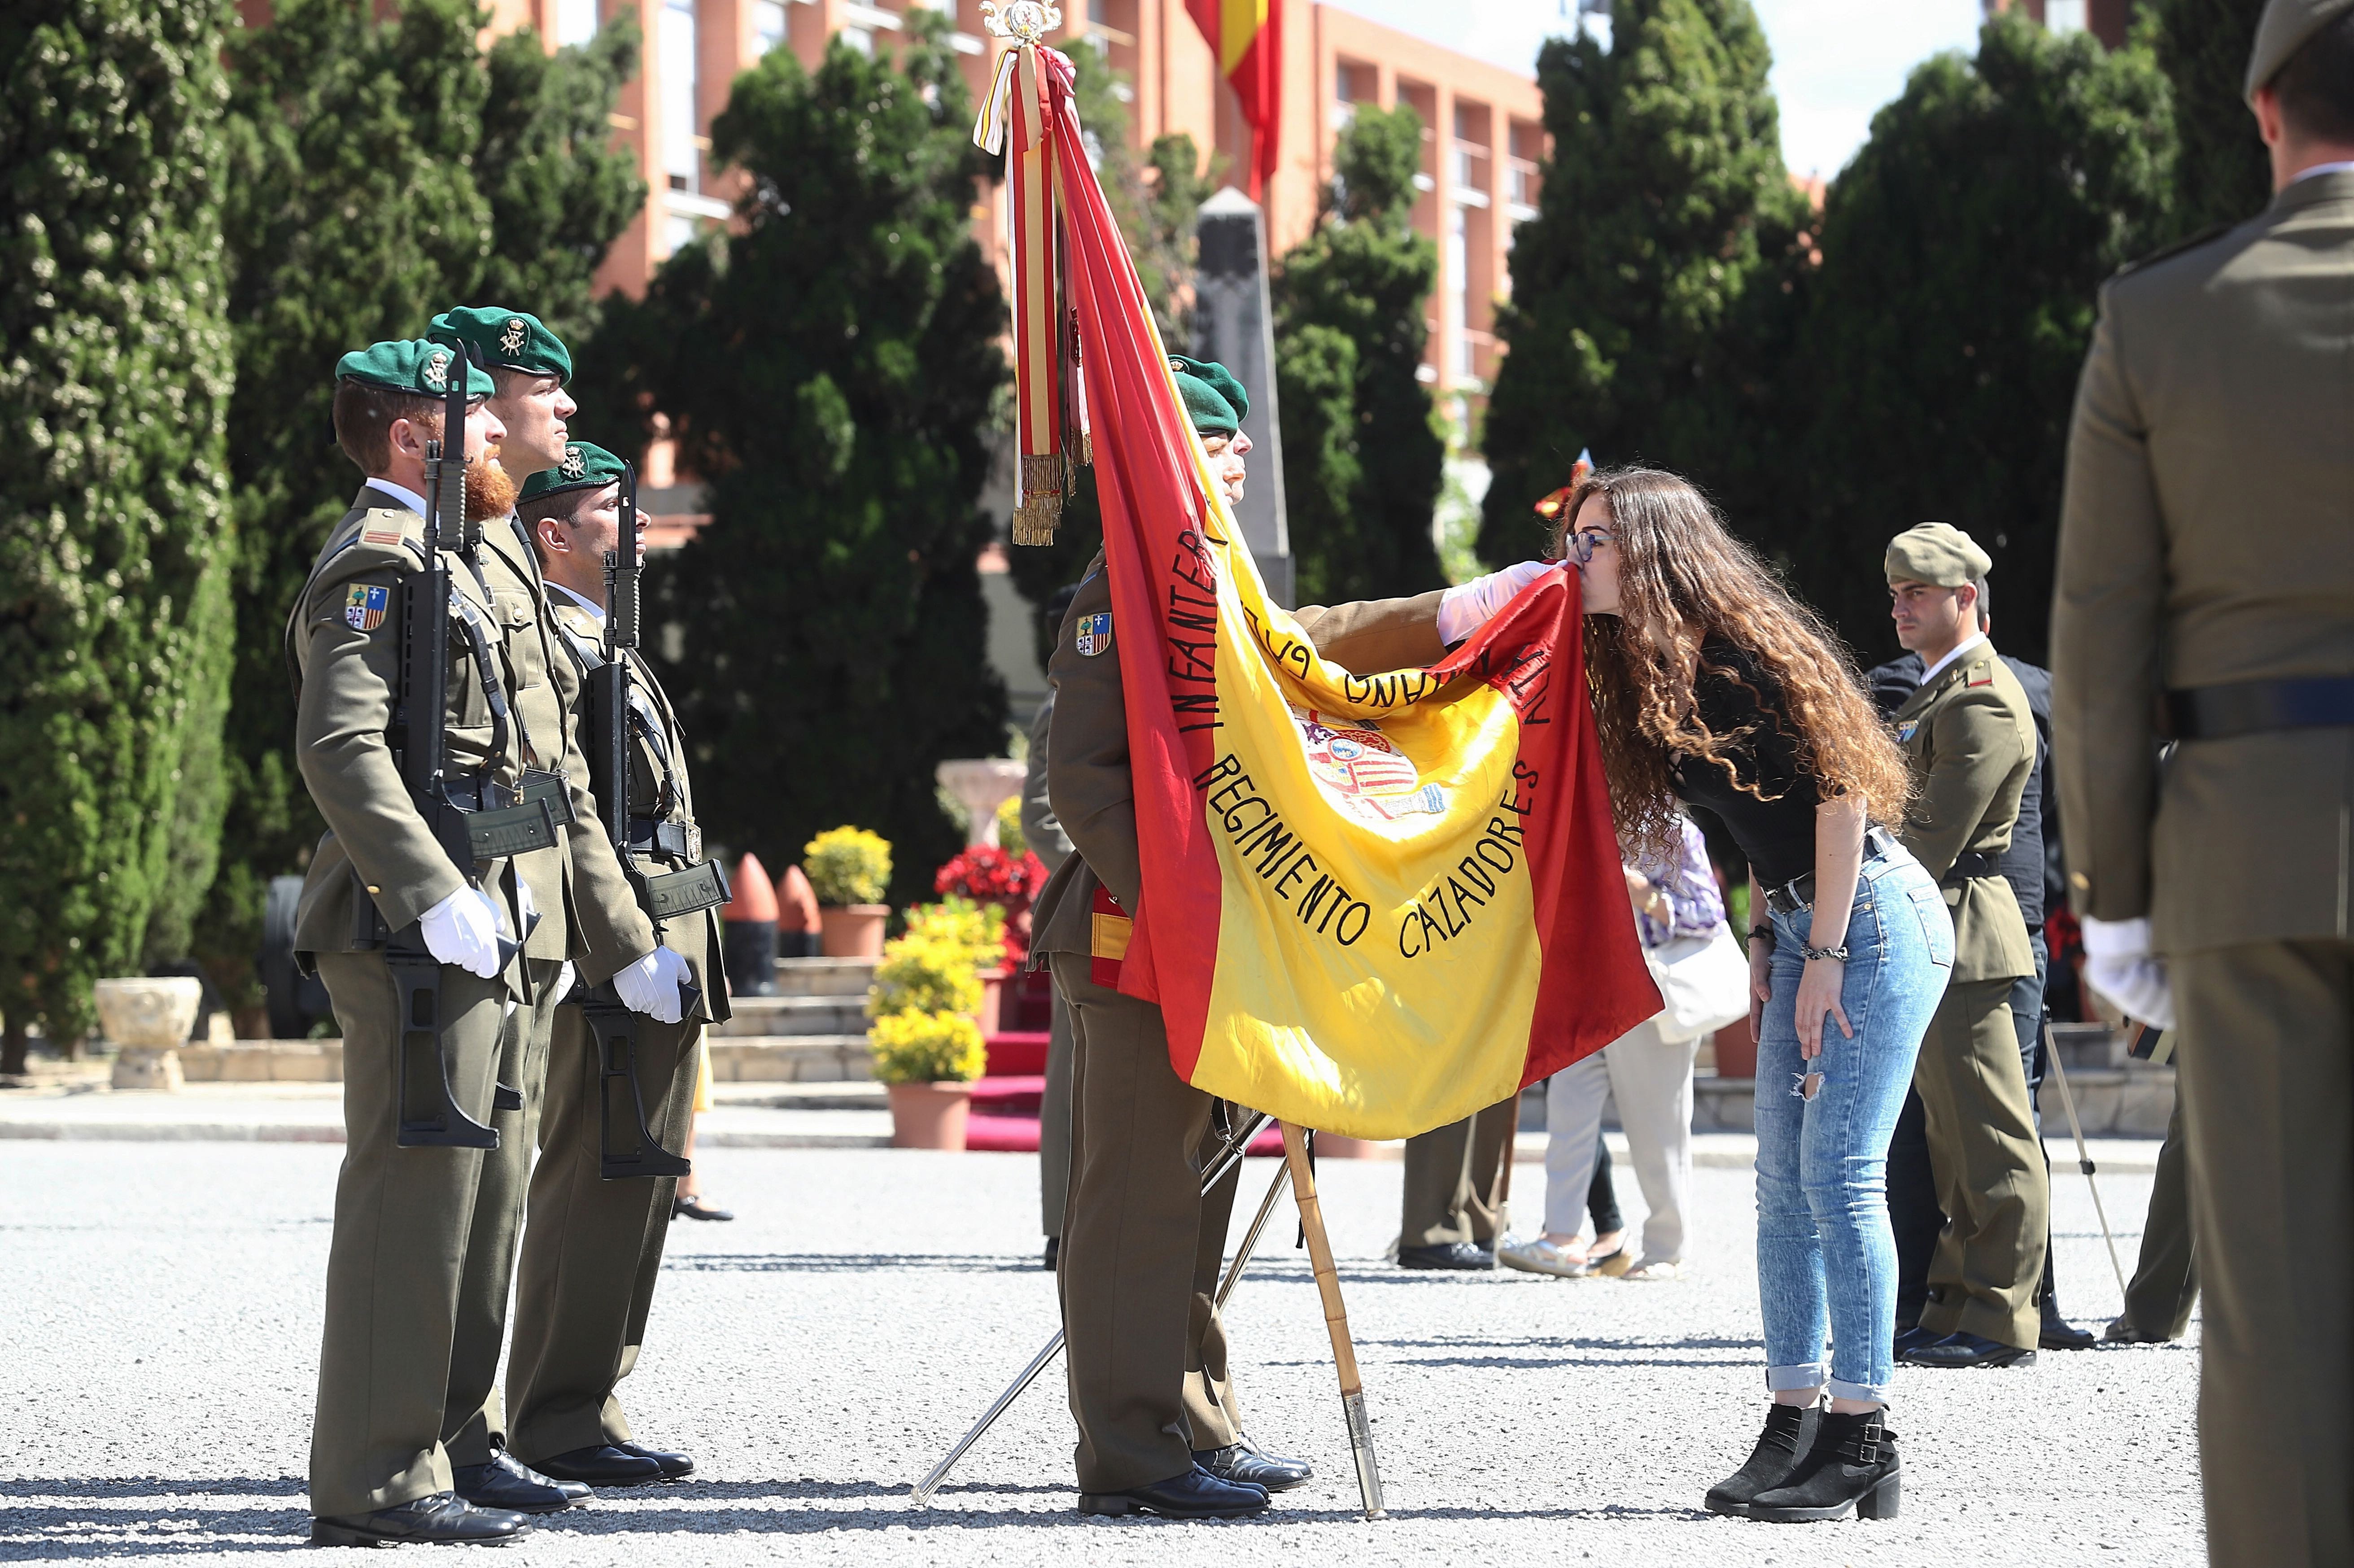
<point x="1374" y="901"/>
<point x="1248" y="37"/>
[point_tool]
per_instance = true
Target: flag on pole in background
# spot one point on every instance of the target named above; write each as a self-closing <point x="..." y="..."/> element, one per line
<point x="1247" y="35"/>
<point x="1374" y="902"/>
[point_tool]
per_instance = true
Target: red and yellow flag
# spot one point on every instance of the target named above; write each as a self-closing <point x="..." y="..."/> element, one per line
<point x="1248" y="37"/>
<point x="1374" y="902"/>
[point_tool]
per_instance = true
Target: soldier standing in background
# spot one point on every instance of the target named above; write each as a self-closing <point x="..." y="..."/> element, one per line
<point x="592" y="1248"/>
<point x="1968" y="736"/>
<point x="1047" y="840"/>
<point x="2205" y="573"/>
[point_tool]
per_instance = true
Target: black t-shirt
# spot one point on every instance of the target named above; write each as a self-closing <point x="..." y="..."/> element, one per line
<point x="1777" y="832"/>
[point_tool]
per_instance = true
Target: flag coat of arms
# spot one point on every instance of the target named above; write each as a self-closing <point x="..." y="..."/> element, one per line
<point x="1374" y="901"/>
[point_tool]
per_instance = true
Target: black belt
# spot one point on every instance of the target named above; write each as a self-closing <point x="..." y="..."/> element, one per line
<point x="1973" y="863"/>
<point x="2248" y="707"/>
<point x="679" y="841"/>
<point x="1798" y="893"/>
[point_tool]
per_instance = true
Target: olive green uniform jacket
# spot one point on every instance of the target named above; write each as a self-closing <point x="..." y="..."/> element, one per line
<point x="1969" y="738"/>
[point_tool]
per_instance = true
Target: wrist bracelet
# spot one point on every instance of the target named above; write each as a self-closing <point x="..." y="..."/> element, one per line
<point x="1838" y="952"/>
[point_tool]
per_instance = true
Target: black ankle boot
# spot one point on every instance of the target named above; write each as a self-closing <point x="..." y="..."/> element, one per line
<point x="1854" y="1465"/>
<point x="1789" y="1434"/>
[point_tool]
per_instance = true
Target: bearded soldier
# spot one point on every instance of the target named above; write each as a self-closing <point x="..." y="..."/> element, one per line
<point x="592" y="1248"/>
<point x="1159" y="1428"/>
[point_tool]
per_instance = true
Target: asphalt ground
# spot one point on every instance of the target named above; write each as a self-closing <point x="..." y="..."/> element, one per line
<point x="161" y="1323"/>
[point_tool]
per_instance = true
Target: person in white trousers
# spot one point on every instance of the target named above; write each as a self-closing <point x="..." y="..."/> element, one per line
<point x="1652" y="1076"/>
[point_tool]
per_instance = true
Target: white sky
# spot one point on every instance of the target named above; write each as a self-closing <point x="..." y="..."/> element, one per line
<point x="1835" y="61"/>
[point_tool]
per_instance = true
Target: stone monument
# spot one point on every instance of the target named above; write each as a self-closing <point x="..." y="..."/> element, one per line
<point x="981" y="785"/>
<point x="148" y="1020"/>
<point x="1234" y="323"/>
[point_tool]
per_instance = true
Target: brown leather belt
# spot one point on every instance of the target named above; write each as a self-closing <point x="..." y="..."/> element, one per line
<point x="2251" y="707"/>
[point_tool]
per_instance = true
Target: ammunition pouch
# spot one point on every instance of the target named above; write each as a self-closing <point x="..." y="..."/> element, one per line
<point x="671" y="895"/>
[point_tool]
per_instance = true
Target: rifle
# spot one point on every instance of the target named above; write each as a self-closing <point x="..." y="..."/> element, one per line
<point x="491" y="829"/>
<point x="621" y="1103"/>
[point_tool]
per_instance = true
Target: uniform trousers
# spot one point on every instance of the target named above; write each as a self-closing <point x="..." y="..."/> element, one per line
<point x="400" y="1260"/>
<point x="592" y="1248"/>
<point x="1652" y="1081"/>
<point x="1055" y="1124"/>
<point x="1451" y="1179"/>
<point x="1138" y="1271"/>
<point x="2166" y="1276"/>
<point x="1992" y="1181"/>
<point x="2267" y="1065"/>
<point x="475" y="1423"/>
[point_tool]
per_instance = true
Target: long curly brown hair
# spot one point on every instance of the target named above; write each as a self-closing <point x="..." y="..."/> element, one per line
<point x="1681" y="570"/>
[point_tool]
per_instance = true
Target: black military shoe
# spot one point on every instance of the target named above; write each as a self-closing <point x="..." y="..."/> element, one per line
<point x="1965" y="1349"/>
<point x="1914" y="1338"/>
<point x="1239" y="1463"/>
<point x="445" y="1518"/>
<point x="1447" y="1255"/>
<point x="2059" y="1334"/>
<point x="507" y="1482"/>
<point x="693" y="1207"/>
<point x="1196" y="1494"/>
<point x="1853" y="1468"/>
<point x="602" y="1465"/>
<point x="673" y="1465"/>
<point x="2121" y="1331"/>
<point x="1788" y="1436"/>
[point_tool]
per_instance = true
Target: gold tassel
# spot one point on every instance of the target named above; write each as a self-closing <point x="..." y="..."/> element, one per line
<point x="1042" y="475"/>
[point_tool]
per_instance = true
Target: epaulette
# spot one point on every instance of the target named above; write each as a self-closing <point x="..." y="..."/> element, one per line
<point x="2214" y="231"/>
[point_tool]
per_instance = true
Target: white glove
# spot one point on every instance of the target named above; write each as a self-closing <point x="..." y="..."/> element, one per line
<point x="2119" y="965"/>
<point x="564" y="978"/>
<point x="463" y="930"/>
<point x="1467" y="607"/>
<point x="651" y="985"/>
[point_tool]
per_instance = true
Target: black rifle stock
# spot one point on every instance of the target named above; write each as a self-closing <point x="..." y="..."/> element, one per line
<point x="627" y="1145"/>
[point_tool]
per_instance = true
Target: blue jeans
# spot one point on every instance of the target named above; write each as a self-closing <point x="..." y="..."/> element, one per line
<point x="1826" y="1259"/>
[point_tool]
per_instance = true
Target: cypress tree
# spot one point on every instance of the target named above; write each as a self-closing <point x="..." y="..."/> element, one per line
<point x="1963" y="250"/>
<point x="828" y="372"/>
<point x="2222" y="175"/>
<point x="1651" y="292"/>
<point x="1361" y="456"/>
<point x="113" y="516"/>
<point x="383" y="170"/>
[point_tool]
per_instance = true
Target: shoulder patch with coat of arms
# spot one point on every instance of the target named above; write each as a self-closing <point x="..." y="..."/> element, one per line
<point x="365" y="606"/>
<point x="1094" y="634"/>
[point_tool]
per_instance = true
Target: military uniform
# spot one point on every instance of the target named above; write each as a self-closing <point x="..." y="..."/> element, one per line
<point x="417" y="1276"/>
<point x="2206" y="571"/>
<point x="1141" y="1245"/>
<point x="1047" y="840"/>
<point x="1968" y="736"/>
<point x="1451" y="1177"/>
<point x="592" y="1248"/>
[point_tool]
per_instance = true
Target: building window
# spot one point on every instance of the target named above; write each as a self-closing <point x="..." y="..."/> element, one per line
<point x="678" y="232"/>
<point x="576" y="22"/>
<point x="1458" y="295"/>
<point x="768" y="23"/>
<point x="2065" y="16"/>
<point x="677" y="62"/>
<point x="859" y="38"/>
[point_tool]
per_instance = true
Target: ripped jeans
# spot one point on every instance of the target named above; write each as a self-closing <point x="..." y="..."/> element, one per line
<point x="1825" y="1258"/>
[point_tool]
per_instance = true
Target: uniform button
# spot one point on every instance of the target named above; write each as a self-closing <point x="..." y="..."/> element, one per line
<point x="2080" y="882"/>
<point x="373" y="890"/>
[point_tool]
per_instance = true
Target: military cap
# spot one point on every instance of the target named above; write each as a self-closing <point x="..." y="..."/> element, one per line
<point x="1215" y="400"/>
<point x="585" y="466"/>
<point x="511" y="340"/>
<point x="1938" y="554"/>
<point x="413" y="364"/>
<point x="2283" y="30"/>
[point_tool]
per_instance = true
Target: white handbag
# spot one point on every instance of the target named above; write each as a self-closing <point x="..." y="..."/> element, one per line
<point x="1704" y="980"/>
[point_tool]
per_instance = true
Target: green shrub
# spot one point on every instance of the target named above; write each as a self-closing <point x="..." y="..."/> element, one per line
<point x="924" y="974"/>
<point x="847" y="865"/>
<point x="927" y="1048"/>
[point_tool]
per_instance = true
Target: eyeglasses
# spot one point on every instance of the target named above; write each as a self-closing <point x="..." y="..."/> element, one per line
<point x="1586" y="541"/>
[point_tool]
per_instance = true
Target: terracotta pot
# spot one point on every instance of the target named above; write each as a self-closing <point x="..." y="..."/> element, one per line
<point x="929" y="1115"/>
<point x="1736" y="1052"/>
<point x="992" y="1016"/>
<point x="852" y="930"/>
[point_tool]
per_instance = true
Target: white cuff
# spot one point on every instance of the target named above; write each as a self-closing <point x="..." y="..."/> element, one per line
<point x="2115" y="938"/>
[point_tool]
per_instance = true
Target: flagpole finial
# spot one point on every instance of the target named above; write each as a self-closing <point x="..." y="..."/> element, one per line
<point x="1023" y="21"/>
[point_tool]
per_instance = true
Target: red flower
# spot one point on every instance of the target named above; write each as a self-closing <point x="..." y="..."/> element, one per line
<point x="987" y="874"/>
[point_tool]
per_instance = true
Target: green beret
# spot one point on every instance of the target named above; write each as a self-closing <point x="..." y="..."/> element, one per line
<point x="2285" y="26"/>
<point x="1215" y="400"/>
<point x="414" y="364"/>
<point x="585" y="466"/>
<point x="511" y="340"/>
<point x="1938" y="554"/>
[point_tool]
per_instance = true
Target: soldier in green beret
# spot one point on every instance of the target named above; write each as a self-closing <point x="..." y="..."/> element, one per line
<point x="380" y="1467"/>
<point x="2205" y="595"/>
<point x="1970" y="736"/>
<point x="584" y="900"/>
<point x="592" y="1248"/>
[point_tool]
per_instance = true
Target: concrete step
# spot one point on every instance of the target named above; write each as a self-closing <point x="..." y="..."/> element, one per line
<point x="791" y="1058"/>
<point x="841" y="1095"/>
<point x="773" y="1015"/>
<point x="824" y="977"/>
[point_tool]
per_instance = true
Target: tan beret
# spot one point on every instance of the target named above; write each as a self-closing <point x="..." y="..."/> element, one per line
<point x="2284" y="29"/>
<point x="1937" y="552"/>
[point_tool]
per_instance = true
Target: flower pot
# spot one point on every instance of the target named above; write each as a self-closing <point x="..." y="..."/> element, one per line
<point x="149" y="1020"/>
<point x="929" y="1115"/>
<point x="992" y="1016"/>
<point x="852" y="930"/>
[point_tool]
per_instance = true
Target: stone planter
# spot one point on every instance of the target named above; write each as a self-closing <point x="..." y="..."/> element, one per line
<point x="992" y="1016"/>
<point x="852" y="930"/>
<point x="981" y="785"/>
<point x="148" y="1020"/>
<point x="929" y="1115"/>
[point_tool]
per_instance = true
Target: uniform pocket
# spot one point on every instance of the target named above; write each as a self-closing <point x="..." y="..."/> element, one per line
<point x="1936" y="926"/>
<point x="522" y="640"/>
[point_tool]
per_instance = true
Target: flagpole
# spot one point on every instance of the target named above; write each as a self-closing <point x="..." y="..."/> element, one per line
<point x="1336" y="1321"/>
